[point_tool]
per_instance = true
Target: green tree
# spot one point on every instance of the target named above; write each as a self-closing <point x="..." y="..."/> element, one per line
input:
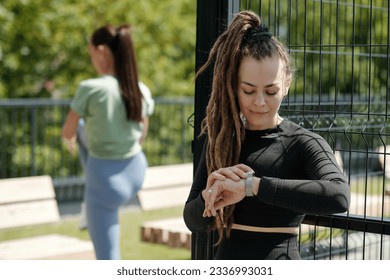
<point x="43" y="49"/>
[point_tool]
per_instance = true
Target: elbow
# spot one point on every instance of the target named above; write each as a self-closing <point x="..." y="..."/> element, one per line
<point x="187" y="220"/>
<point x="342" y="207"/>
<point x="342" y="202"/>
<point x="346" y="204"/>
<point x="191" y="226"/>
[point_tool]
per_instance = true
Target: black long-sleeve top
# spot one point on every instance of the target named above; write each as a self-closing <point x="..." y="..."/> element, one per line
<point x="299" y="175"/>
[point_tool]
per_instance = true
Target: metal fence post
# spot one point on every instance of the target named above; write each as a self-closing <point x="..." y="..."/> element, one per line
<point x="212" y="19"/>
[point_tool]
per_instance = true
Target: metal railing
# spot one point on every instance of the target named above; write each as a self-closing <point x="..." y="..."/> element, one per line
<point x="340" y="91"/>
<point x="31" y="144"/>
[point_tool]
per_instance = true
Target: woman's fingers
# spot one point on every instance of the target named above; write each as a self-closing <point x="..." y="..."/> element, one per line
<point x="231" y="173"/>
<point x="205" y="195"/>
<point x="235" y="173"/>
<point x="244" y="168"/>
<point x="240" y="170"/>
<point x="213" y="177"/>
<point x="212" y="195"/>
<point x="207" y="212"/>
<point x="220" y="204"/>
<point x="216" y="194"/>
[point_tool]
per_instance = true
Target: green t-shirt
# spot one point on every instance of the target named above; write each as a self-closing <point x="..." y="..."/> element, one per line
<point x="110" y="135"/>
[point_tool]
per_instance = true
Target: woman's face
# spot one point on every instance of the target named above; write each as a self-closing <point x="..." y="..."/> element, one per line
<point x="262" y="86"/>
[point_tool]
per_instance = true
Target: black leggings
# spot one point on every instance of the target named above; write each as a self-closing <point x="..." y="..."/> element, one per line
<point x="247" y="245"/>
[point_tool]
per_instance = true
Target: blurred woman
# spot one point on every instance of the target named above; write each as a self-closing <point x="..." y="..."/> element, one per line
<point x="115" y="107"/>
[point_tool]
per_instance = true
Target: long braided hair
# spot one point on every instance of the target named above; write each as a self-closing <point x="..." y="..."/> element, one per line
<point x="246" y="36"/>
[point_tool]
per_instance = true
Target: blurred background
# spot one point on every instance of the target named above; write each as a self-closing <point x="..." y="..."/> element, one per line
<point x="44" y="56"/>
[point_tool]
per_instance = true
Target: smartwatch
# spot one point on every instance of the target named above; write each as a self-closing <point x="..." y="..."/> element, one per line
<point x="248" y="184"/>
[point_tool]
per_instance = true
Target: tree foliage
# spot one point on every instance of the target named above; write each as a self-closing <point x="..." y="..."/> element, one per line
<point x="43" y="44"/>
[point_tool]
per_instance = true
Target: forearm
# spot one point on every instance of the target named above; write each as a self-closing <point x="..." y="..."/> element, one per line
<point x="69" y="130"/>
<point x="305" y="196"/>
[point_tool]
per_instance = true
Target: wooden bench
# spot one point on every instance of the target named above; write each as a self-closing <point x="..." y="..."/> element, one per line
<point x="30" y="201"/>
<point x="171" y="232"/>
<point x="166" y="186"/>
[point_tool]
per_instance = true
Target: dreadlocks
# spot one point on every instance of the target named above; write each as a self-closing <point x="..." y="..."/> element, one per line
<point x="246" y="36"/>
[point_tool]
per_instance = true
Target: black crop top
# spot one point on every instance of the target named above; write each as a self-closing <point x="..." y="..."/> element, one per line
<point x="299" y="175"/>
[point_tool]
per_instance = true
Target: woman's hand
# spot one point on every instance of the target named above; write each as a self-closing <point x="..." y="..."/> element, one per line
<point x="234" y="173"/>
<point x="70" y="144"/>
<point x="224" y="193"/>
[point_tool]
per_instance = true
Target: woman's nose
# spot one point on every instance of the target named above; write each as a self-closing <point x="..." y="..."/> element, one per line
<point x="259" y="99"/>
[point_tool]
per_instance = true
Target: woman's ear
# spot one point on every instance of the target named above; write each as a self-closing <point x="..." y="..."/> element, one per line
<point x="287" y="84"/>
<point x="100" y="48"/>
<point x="105" y="51"/>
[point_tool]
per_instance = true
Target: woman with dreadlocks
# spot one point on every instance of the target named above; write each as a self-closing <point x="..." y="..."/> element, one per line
<point x="115" y="107"/>
<point x="259" y="174"/>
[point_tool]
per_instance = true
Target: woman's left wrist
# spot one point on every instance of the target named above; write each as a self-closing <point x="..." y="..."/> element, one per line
<point x="255" y="185"/>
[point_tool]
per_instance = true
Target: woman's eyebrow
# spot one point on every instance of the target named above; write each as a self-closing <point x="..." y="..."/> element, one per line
<point x="272" y="85"/>
<point x="253" y="85"/>
<point x="248" y="83"/>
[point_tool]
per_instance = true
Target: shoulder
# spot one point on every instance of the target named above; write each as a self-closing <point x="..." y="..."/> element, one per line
<point x="292" y="129"/>
<point x="99" y="82"/>
<point x="98" y="86"/>
<point x="300" y="134"/>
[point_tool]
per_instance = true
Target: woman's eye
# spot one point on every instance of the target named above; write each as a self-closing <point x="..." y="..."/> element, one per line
<point x="272" y="93"/>
<point x="249" y="92"/>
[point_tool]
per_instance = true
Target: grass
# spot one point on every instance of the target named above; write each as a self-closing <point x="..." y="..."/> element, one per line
<point x="373" y="185"/>
<point x="132" y="248"/>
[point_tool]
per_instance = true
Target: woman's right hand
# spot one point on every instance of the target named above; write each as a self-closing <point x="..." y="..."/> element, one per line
<point x="235" y="173"/>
